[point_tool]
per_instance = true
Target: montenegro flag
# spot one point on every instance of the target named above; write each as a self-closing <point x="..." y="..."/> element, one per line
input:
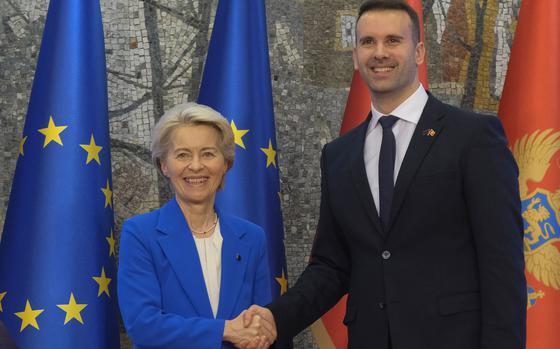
<point x="530" y="111"/>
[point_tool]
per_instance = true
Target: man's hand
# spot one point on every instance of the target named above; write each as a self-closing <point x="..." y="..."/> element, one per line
<point x="268" y="326"/>
<point x="253" y="335"/>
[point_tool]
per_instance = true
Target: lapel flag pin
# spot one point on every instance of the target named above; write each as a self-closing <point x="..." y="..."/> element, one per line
<point x="429" y="132"/>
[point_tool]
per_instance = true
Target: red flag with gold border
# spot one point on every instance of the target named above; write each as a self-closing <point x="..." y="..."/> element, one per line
<point x="329" y="332"/>
<point x="530" y="111"/>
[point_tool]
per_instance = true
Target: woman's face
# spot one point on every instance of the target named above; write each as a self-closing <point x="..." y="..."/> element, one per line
<point x="194" y="164"/>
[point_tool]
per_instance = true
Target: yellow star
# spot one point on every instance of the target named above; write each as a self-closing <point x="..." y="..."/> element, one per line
<point x="72" y="310"/>
<point x="103" y="282"/>
<point x="111" y="240"/>
<point x="283" y="283"/>
<point x="2" y="295"/>
<point x="238" y="135"/>
<point x="52" y="132"/>
<point x="270" y="154"/>
<point x="108" y="195"/>
<point x="21" y="143"/>
<point x="29" y="316"/>
<point x="92" y="150"/>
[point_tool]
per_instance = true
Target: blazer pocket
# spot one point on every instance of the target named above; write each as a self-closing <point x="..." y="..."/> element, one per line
<point x="350" y="315"/>
<point x="459" y="303"/>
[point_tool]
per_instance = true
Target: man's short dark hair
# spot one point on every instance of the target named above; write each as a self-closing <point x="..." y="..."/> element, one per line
<point x="382" y="5"/>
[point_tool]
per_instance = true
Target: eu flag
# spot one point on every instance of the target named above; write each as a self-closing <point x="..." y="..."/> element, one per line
<point x="236" y="82"/>
<point x="57" y="254"/>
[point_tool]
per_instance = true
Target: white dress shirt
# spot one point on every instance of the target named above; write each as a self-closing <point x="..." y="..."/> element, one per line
<point x="210" y="254"/>
<point x="409" y="113"/>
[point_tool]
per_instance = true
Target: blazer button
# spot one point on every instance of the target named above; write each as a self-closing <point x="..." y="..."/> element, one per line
<point x="381" y="305"/>
<point x="386" y="255"/>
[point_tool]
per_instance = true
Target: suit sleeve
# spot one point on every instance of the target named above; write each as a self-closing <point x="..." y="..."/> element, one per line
<point x="140" y="303"/>
<point x="325" y="279"/>
<point x="494" y="209"/>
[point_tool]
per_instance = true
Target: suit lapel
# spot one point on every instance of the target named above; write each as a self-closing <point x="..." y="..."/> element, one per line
<point x="426" y="132"/>
<point x="178" y="245"/>
<point x="359" y="175"/>
<point x="235" y="258"/>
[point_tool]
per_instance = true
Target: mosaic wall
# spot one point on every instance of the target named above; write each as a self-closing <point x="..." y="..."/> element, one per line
<point x="155" y="55"/>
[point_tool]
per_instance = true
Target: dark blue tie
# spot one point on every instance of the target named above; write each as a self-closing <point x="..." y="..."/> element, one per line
<point x="386" y="169"/>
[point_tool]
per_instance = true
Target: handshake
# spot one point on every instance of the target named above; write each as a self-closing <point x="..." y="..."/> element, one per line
<point x="254" y="328"/>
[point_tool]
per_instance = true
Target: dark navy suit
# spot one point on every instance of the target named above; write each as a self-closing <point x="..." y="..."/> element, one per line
<point x="449" y="271"/>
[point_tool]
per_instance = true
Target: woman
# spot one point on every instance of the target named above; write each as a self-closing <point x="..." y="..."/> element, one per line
<point x="188" y="267"/>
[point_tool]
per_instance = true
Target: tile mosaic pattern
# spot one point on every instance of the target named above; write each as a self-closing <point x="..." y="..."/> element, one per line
<point x="155" y="55"/>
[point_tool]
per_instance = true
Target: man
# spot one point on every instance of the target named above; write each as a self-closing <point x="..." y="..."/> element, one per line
<point x="440" y="264"/>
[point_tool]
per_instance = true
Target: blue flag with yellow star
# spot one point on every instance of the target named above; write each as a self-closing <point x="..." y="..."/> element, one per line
<point x="57" y="253"/>
<point x="236" y="82"/>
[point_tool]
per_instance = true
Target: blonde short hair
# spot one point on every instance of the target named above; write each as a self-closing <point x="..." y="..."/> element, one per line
<point x="191" y="114"/>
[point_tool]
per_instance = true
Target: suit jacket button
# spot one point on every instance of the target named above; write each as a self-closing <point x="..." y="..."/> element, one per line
<point x="386" y="255"/>
<point x="381" y="305"/>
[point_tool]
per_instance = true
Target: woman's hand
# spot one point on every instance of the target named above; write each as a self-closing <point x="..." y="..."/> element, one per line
<point x="254" y="336"/>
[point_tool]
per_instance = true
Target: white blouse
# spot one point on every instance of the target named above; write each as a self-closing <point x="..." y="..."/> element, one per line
<point x="210" y="254"/>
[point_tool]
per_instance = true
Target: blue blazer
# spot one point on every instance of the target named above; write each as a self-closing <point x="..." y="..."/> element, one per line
<point x="161" y="289"/>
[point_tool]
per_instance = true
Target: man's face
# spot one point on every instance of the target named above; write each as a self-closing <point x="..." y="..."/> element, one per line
<point x="386" y="55"/>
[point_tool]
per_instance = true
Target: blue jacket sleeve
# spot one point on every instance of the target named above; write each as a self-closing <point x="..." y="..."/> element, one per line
<point x="262" y="293"/>
<point x="141" y="307"/>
